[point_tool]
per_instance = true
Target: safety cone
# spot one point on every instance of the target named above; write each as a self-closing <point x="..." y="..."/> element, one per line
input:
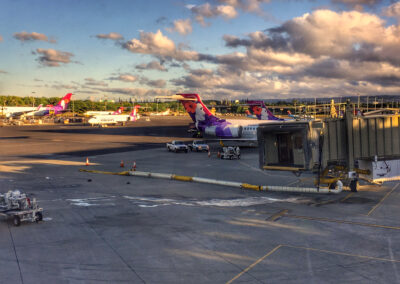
<point x="219" y="154"/>
<point x="209" y="154"/>
<point x="87" y="161"/>
<point x="122" y="164"/>
<point x="133" y="166"/>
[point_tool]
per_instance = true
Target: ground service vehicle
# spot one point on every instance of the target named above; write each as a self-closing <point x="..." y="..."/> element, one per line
<point x="16" y="205"/>
<point x="177" y="146"/>
<point x="199" y="146"/>
<point x="230" y="153"/>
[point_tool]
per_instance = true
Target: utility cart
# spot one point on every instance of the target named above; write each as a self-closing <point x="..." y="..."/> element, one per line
<point x="20" y="208"/>
<point x="230" y="153"/>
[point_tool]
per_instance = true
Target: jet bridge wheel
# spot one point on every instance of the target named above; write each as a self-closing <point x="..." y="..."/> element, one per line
<point x="16" y="220"/>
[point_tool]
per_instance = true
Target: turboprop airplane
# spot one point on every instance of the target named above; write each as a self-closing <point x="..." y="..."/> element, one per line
<point x="93" y="113"/>
<point x="209" y="124"/>
<point x="110" y="119"/>
<point x="17" y="111"/>
<point x="60" y="107"/>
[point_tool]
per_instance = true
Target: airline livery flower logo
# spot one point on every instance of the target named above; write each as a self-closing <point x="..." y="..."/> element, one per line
<point x="257" y="110"/>
<point x="190" y="107"/>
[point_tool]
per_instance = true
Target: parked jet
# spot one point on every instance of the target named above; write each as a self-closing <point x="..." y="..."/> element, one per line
<point x="110" y="119"/>
<point x="167" y="112"/>
<point x="17" y="111"/>
<point x="211" y="125"/>
<point x="60" y="107"/>
<point x="93" y="113"/>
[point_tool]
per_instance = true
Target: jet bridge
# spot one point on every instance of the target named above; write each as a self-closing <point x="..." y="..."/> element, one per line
<point x="348" y="148"/>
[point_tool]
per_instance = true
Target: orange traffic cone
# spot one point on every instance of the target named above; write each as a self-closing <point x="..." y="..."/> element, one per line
<point x="133" y="166"/>
<point x="122" y="164"/>
<point x="87" y="161"/>
<point x="219" y="154"/>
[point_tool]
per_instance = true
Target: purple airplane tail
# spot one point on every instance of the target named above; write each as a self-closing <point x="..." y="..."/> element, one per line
<point x="259" y="109"/>
<point x="205" y="121"/>
<point x="200" y="114"/>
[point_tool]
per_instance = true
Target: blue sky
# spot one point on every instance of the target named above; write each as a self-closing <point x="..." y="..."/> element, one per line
<point x="219" y="49"/>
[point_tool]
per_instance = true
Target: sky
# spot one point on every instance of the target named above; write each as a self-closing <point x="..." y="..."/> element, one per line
<point x="220" y="49"/>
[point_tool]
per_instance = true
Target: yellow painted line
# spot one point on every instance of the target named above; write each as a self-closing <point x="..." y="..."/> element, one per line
<point x="347" y="196"/>
<point x="254" y="264"/>
<point x="343" y="253"/>
<point x="343" y="222"/>
<point x="383" y="199"/>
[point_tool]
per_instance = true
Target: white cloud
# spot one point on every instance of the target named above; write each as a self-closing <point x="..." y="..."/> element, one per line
<point x="183" y="27"/>
<point x="159" y="45"/>
<point x="112" y="36"/>
<point x="25" y="36"/>
<point x="53" y="58"/>
<point x="392" y="11"/>
<point x="129" y="78"/>
<point x="153" y="65"/>
<point x="206" y="10"/>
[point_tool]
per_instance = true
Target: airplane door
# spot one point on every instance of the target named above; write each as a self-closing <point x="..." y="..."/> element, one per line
<point x="285" y="148"/>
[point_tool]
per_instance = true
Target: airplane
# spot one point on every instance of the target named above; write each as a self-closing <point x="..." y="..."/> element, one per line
<point x="160" y="113"/>
<point x="109" y="119"/>
<point x="93" y="113"/>
<point x="60" y="107"/>
<point x="17" y="111"/>
<point x="207" y="123"/>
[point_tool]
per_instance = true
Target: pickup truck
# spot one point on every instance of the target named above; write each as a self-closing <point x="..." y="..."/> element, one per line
<point x="198" y="145"/>
<point x="177" y="146"/>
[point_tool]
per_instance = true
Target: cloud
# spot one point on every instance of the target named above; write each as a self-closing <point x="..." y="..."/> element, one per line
<point x="159" y="45"/>
<point x="93" y="82"/>
<point x="153" y="65"/>
<point x="3" y="72"/>
<point x="53" y="58"/>
<point x="323" y="53"/>
<point x="392" y="11"/>
<point x="112" y="36"/>
<point x="153" y="83"/>
<point x="125" y="78"/>
<point x="357" y="4"/>
<point x="361" y="36"/>
<point x="183" y="27"/>
<point x="208" y="11"/>
<point x="25" y="36"/>
<point x="137" y="92"/>
<point x="1" y="38"/>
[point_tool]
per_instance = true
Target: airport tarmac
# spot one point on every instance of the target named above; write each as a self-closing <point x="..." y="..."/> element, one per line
<point x="120" y="229"/>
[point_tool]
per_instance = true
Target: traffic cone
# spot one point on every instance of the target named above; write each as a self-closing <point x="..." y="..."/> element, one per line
<point x="87" y="161"/>
<point x="122" y="164"/>
<point x="209" y="154"/>
<point x="219" y="154"/>
<point x="133" y="166"/>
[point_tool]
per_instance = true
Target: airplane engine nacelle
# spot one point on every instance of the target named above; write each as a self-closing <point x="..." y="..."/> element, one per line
<point x="228" y="132"/>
